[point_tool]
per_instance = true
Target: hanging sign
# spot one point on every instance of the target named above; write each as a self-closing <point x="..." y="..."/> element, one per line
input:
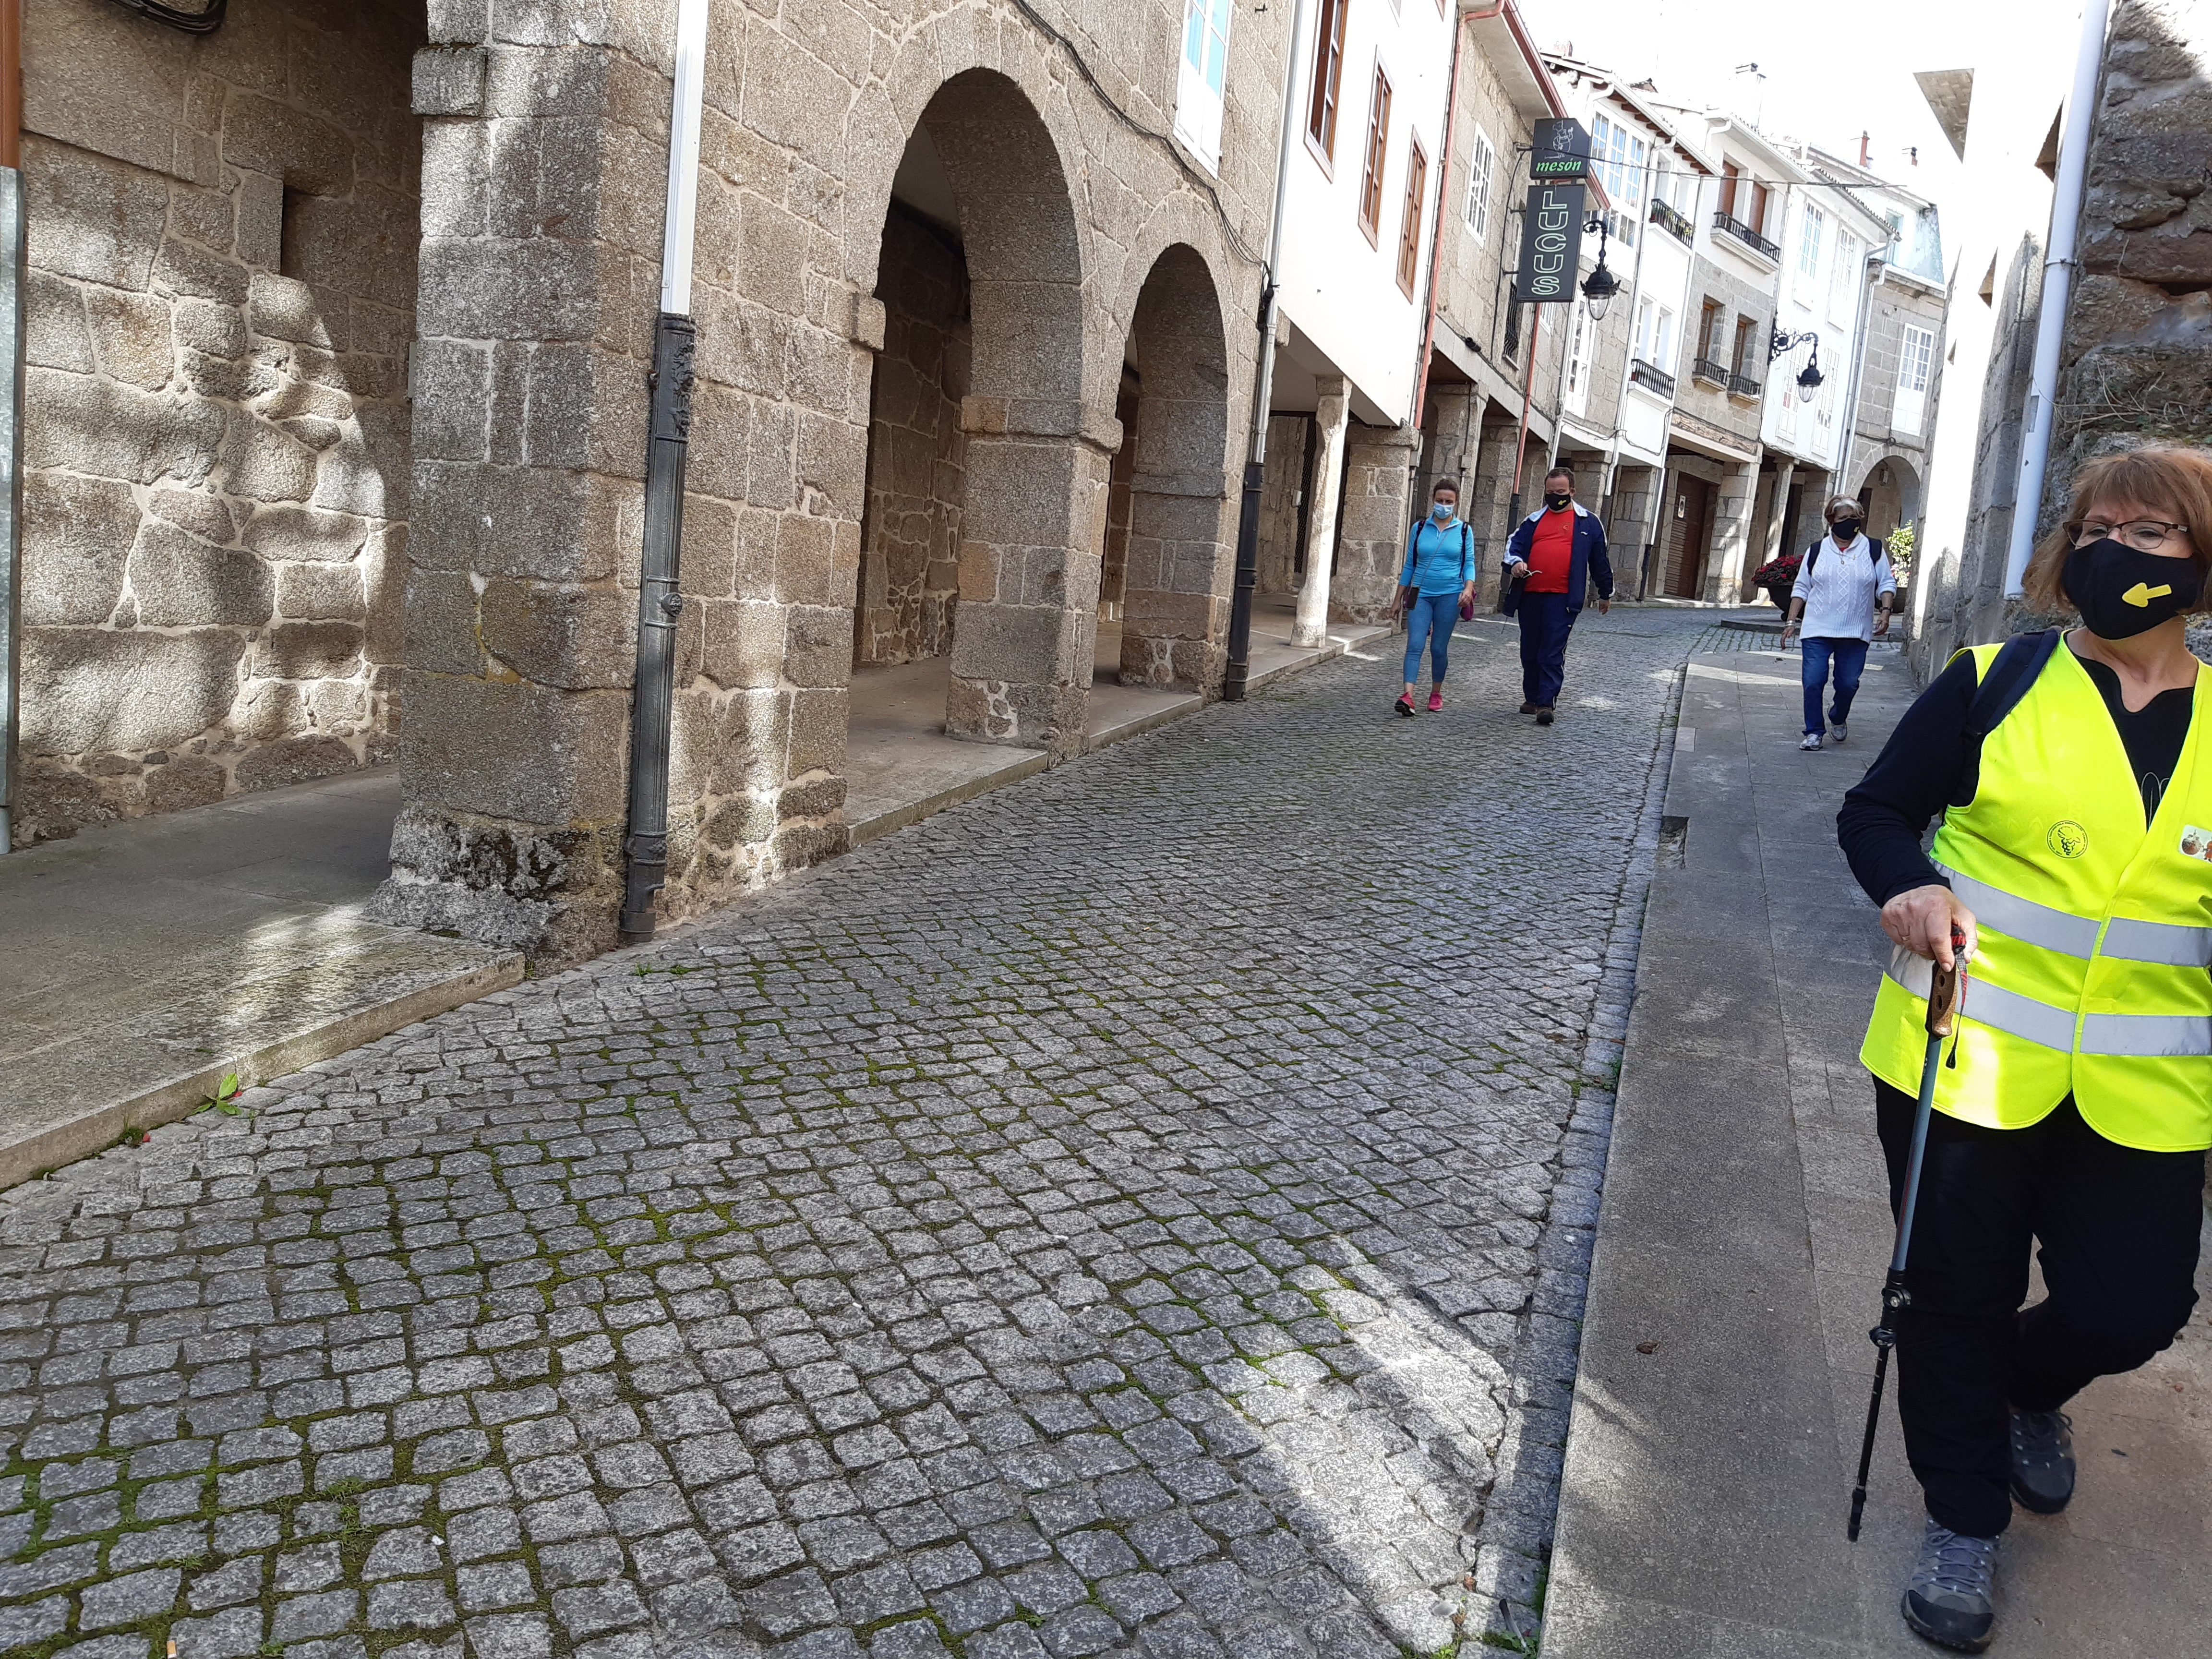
<point x="1559" y="153"/>
<point x="1551" y="245"/>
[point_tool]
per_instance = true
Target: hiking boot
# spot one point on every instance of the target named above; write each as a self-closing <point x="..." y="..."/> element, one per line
<point x="1435" y="702"/>
<point x="1838" y="730"/>
<point x="2042" y="1461"/>
<point x="1405" y="706"/>
<point x="1947" y="1599"/>
<point x="1544" y="715"/>
<point x="1527" y="707"/>
<point x="1812" y="740"/>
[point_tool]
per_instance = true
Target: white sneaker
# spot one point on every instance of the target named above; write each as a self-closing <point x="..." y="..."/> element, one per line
<point x="1838" y="730"/>
<point x="1812" y="740"/>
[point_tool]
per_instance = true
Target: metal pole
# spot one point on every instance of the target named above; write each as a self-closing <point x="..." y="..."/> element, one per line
<point x="668" y="433"/>
<point x="2060" y="258"/>
<point x="1237" y="671"/>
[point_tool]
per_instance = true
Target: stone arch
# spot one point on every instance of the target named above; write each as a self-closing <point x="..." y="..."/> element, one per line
<point x="1891" y="490"/>
<point x="1176" y="583"/>
<point x="1015" y="490"/>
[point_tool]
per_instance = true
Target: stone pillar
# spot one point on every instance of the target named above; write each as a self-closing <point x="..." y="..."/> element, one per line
<point x="1725" y="569"/>
<point x="1777" y="510"/>
<point x="1628" y="524"/>
<point x="1487" y="502"/>
<point x="1377" y="482"/>
<point x="1449" y="440"/>
<point x="1026" y="630"/>
<point x="1329" y="418"/>
<point x="529" y="442"/>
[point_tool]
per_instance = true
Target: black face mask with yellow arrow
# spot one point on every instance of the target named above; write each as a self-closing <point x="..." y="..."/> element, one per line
<point x="2122" y="591"/>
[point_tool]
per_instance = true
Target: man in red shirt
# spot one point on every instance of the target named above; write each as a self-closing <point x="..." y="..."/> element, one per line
<point x="1554" y="555"/>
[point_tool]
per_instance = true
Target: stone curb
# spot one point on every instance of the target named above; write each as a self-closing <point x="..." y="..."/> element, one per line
<point x="98" y="1125"/>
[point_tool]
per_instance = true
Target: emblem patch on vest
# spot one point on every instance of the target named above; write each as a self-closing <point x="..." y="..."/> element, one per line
<point x="2068" y="839"/>
<point x="2196" y="843"/>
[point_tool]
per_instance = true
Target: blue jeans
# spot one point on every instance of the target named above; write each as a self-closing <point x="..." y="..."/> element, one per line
<point x="1849" y="657"/>
<point x="1429" y="622"/>
<point x="1545" y="621"/>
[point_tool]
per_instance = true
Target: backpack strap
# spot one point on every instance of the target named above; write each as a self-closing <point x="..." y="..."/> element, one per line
<point x="1812" y="558"/>
<point x="2012" y="672"/>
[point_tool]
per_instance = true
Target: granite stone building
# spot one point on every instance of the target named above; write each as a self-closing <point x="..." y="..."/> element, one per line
<point x="340" y="325"/>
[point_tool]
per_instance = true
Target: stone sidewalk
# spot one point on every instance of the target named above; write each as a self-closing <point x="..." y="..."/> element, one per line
<point x="1745" y="1231"/>
<point x="1140" y="1211"/>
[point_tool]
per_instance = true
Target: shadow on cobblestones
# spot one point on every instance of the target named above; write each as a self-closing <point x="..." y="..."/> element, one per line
<point x="1144" y="1210"/>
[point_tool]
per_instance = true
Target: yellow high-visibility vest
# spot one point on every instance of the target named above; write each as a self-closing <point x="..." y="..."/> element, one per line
<point x="2094" y="976"/>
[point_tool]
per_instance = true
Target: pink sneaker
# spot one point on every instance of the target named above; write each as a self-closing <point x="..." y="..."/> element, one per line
<point x="1435" y="702"/>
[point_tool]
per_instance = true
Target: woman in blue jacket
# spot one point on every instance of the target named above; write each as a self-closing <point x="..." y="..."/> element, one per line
<point x="1438" y="578"/>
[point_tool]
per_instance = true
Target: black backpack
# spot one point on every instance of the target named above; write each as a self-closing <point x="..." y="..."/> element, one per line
<point x="2013" y="672"/>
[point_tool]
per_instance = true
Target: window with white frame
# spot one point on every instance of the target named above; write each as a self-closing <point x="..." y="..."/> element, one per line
<point x="1843" y="281"/>
<point x="1200" y="82"/>
<point x="1786" y="422"/>
<point x="1481" y="178"/>
<point x="1578" y="361"/>
<point x="1809" y="232"/>
<point x="1655" y="336"/>
<point x="1916" y="358"/>
<point x="1618" y="155"/>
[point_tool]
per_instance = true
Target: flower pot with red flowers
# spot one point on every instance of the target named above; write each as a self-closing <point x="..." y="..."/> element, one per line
<point x="1779" y="577"/>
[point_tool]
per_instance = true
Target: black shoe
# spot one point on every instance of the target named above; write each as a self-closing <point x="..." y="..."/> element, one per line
<point x="1544" y="716"/>
<point x="2042" y="1461"/>
<point x="1405" y="707"/>
<point x="1948" y="1598"/>
<point x="1527" y="707"/>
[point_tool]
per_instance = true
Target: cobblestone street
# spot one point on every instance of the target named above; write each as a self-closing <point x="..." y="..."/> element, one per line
<point x="1142" y="1210"/>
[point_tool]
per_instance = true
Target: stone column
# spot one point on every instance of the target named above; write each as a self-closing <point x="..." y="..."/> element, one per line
<point x="1777" y="510"/>
<point x="1329" y="417"/>
<point x="1034" y="521"/>
<point x="1377" y="481"/>
<point x="1450" y="439"/>
<point x="1724" y="568"/>
<point x="1487" y="502"/>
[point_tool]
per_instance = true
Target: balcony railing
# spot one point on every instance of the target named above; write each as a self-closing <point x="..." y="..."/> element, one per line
<point x="1743" y="386"/>
<point x="1675" y="224"/>
<point x="1705" y="368"/>
<point x="1644" y="375"/>
<point x="1744" y="234"/>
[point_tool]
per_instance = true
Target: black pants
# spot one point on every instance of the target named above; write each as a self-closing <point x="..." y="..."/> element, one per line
<point x="2118" y="1229"/>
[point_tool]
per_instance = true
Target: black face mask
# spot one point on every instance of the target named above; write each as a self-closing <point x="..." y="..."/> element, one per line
<point x="1848" y="529"/>
<point x="2122" y="591"/>
<point x="1556" y="502"/>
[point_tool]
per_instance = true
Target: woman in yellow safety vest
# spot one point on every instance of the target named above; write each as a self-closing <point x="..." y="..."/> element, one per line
<point x="2076" y="1106"/>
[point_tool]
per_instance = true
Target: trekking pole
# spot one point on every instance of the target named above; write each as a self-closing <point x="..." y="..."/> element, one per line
<point x="1944" y="992"/>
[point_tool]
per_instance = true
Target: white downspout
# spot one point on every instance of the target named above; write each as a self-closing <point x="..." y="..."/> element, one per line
<point x="685" y="105"/>
<point x="2059" y="260"/>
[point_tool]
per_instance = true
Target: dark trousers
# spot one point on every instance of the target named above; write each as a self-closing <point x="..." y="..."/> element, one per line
<point x="1849" y="657"/>
<point x="1545" y="621"/>
<point x="2118" y="1229"/>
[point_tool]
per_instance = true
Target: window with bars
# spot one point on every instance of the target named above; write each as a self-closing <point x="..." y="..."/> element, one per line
<point x="1328" y="77"/>
<point x="1409" y="235"/>
<point x="1201" y="77"/>
<point x="1481" y="173"/>
<point x="1378" y="154"/>
<point x="1746" y="356"/>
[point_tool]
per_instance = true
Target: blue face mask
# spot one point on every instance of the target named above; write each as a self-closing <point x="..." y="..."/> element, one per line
<point x="1442" y="511"/>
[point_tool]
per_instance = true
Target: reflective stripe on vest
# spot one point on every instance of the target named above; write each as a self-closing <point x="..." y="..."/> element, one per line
<point x="2136" y="1035"/>
<point x="2130" y="940"/>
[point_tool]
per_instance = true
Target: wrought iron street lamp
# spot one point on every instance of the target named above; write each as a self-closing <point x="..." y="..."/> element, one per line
<point x="1599" y="287"/>
<point x="1808" y="377"/>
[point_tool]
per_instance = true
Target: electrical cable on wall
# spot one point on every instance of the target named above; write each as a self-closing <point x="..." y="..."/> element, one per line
<point x="204" y="20"/>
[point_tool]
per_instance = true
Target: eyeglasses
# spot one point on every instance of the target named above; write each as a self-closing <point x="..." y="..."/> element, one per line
<point x="2144" y="535"/>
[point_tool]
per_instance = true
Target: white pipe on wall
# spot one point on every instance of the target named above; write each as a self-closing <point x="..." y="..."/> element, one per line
<point x="683" y="157"/>
<point x="2059" y="260"/>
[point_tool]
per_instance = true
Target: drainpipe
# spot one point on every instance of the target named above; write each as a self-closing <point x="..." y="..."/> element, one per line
<point x="659" y="603"/>
<point x="1238" y="669"/>
<point x="2060" y="257"/>
<point x="14" y="262"/>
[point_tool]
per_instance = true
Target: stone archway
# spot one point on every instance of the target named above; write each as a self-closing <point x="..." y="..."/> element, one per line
<point x="1174" y="592"/>
<point x="986" y="492"/>
<point x="1891" y="491"/>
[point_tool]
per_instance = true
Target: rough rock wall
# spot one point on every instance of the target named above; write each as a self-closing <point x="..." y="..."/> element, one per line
<point x="223" y="236"/>
<point x="910" y="545"/>
<point x="1377" y="516"/>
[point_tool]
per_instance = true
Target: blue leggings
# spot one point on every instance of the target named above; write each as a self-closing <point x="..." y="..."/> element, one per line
<point x="1430" y="623"/>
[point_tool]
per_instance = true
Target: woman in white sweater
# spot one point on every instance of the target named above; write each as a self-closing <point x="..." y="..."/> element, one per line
<point x="1841" y="603"/>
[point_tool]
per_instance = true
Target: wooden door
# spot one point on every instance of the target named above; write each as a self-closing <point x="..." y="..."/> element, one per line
<point x="1690" y="531"/>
